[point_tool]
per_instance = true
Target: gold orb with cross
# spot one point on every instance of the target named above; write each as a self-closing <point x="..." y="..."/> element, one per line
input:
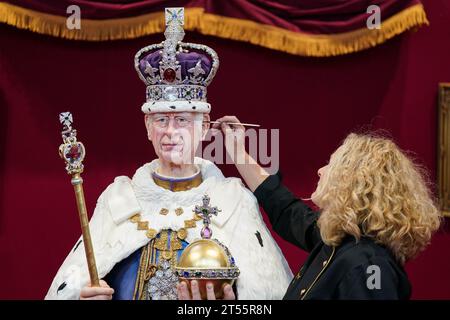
<point x="207" y="260"/>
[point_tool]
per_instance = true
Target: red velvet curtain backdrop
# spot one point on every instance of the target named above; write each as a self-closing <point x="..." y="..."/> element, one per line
<point x="315" y="102"/>
<point x="308" y="27"/>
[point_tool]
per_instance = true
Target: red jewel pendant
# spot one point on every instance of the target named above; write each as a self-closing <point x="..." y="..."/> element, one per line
<point x="169" y="75"/>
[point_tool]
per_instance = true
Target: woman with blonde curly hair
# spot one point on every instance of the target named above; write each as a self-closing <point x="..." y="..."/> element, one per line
<point x="376" y="213"/>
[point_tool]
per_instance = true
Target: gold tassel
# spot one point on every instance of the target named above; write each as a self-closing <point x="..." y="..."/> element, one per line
<point x="225" y="27"/>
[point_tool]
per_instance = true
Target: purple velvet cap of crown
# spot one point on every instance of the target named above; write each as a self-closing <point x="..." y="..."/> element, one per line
<point x="185" y="60"/>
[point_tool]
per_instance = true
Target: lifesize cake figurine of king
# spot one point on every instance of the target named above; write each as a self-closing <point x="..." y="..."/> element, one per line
<point x="141" y="226"/>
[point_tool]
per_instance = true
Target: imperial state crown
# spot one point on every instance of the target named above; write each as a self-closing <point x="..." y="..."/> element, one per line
<point x="176" y="73"/>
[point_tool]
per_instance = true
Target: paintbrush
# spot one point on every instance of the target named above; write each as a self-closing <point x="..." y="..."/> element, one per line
<point x="236" y="123"/>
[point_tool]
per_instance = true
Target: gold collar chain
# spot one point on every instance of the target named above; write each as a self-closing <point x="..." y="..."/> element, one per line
<point x="152" y="233"/>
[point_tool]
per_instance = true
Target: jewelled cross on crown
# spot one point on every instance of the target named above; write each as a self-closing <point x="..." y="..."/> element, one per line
<point x="174" y="33"/>
<point x="206" y="211"/>
<point x="175" y="15"/>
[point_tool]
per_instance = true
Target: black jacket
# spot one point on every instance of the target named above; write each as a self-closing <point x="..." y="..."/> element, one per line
<point x="353" y="270"/>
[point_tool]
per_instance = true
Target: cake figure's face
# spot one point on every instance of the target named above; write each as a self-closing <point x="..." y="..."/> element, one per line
<point x="176" y="135"/>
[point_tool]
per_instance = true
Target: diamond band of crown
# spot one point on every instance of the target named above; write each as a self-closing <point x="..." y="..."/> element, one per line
<point x="176" y="71"/>
<point x="174" y="93"/>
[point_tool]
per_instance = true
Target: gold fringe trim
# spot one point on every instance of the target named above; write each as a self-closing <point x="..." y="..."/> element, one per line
<point x="224" y="27"/>
<point x="308" y="44"/>
<point x="91" y="30"/>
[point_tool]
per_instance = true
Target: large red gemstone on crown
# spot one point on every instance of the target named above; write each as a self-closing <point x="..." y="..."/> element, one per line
<point x="169" y="75"/>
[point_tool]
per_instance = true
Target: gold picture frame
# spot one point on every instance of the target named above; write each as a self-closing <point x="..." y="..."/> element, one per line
<point x="444" y="148"/>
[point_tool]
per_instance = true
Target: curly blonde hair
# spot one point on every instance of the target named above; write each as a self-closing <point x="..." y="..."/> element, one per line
<point x="372" y="189"/>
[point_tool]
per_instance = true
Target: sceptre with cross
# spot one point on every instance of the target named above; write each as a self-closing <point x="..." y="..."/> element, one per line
<point x="73" y="153"/>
